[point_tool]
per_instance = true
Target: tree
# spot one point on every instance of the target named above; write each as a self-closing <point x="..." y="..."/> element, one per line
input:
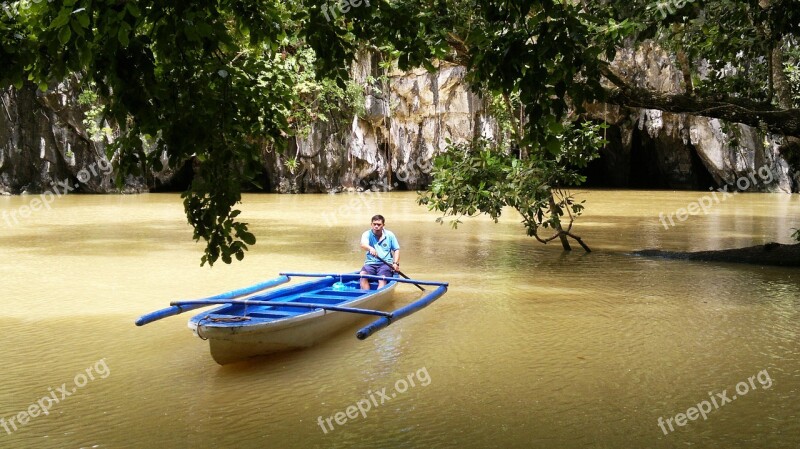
<point x="210" y="82"/>
<point x="539" y="62"/>
<point x="180" y="73"/>
<point x="739" y="60"/>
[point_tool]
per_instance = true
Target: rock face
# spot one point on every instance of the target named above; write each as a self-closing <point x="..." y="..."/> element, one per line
<point x="407" y="118"/>
<point x="45" y="147"/>
<point x="769" y="254"/>
<point x="679" y="151"/>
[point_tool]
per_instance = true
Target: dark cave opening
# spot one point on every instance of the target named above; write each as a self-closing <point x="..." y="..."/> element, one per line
<point x="662" y="163"/>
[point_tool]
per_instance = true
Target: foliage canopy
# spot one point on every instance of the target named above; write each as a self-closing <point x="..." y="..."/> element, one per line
<point x="218" y="83"/>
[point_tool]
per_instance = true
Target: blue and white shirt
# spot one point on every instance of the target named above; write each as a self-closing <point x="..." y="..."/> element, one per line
<point x="384" y="247"/>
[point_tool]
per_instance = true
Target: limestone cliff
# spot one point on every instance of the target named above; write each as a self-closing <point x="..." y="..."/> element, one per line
<point x="42" y="142"/>
<point x="407" y="118"/>
<point x="680" y="151"/>
<point x="45" y="146"/>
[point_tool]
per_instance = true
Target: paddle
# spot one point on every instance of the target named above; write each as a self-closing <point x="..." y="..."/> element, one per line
<point x="349" y="276"/>
<point x="398" y="271"/>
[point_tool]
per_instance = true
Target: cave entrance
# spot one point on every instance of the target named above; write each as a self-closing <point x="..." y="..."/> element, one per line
<point x="666" y="162"/>
<point x="663" y="162"/>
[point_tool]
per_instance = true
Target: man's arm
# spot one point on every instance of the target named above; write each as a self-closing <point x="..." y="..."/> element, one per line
<point x="395" y="253"/>
<point x="365" y="244"/>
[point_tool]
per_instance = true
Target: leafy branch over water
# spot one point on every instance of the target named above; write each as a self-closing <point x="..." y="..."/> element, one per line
<point x="483" y="177"/>
<point x="214" y="85"/>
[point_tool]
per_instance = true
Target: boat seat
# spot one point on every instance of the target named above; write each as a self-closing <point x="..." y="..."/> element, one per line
<point x="275" y="312"/>
<point x="222" y="317"/>
<point x="340" y="293"/>
<point x="325" y="299"/>
<point x="272" y="314"/>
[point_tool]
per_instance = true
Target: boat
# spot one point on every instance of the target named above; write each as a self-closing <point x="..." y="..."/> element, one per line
<point x="252" y="321"/>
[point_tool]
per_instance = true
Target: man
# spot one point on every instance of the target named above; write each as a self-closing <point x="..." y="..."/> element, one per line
<point x="379" y="243"/>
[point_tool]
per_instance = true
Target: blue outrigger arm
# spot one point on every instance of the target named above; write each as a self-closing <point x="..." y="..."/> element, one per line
<point x="365" y="276"/>
<point x="302" y="305"/>
<point x="176" y="309"/>
<point x="402" y="312"/>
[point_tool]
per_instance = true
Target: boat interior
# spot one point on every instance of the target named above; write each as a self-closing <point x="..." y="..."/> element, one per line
<point x="334" y="293"/>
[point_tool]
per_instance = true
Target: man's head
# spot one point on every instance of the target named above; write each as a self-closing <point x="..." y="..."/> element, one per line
<point x="377" y="223"/>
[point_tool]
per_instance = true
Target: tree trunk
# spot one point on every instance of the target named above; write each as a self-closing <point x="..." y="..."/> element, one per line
<point x="686" y="70"/>
<point x="562" y="235"/>
<point x="783" y="93"/>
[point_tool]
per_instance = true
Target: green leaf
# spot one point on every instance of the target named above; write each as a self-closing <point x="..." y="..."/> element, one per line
<point x="76" y="27"/>
<point x="64" y="34"/>
<point x="553" y="145"/>
<point x="247" y="237"/>
<point x="133" y="9"/>
<point x="83" y="20"/>
<point x="60" y="20"/>
<point x="122" y="35"/>
<point x="85" y="56"/>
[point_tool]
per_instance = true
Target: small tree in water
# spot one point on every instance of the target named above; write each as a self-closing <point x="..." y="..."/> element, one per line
<point x="483" y="177"/>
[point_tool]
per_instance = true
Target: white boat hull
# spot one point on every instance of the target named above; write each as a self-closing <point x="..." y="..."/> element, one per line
<point x="231" y="344"/>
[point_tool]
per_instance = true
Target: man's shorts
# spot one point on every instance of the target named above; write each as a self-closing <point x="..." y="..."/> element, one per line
<point x="379" y="270"/>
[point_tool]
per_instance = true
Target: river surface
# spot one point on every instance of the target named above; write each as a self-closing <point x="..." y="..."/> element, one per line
<point x="530" y="348"/>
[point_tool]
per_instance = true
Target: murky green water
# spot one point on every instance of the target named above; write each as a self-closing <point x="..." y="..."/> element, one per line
<point x="531" y="347"/>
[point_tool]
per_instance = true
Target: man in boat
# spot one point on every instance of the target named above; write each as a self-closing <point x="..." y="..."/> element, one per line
<point x="383" y="252"/>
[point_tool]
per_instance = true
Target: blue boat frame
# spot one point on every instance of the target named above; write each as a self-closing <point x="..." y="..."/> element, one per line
<point x="246" y="314"/>
<point x="284" y="303"/>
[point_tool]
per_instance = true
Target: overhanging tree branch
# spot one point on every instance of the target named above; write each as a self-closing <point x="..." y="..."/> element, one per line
<point x="732" y="109"/>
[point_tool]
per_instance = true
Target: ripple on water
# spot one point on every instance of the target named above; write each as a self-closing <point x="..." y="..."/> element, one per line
<point x="530" y="347"/>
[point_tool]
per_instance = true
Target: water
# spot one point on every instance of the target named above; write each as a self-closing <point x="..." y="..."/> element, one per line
<point x="530" y="347"/>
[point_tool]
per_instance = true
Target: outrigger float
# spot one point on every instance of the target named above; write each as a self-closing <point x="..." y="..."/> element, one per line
<point x="251" y="322"/>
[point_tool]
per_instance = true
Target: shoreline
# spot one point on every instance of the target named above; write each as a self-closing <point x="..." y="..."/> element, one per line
<point x="770" y="254"/>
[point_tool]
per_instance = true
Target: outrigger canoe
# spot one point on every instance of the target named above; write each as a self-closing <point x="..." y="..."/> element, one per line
<point x="252" y="321"/>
